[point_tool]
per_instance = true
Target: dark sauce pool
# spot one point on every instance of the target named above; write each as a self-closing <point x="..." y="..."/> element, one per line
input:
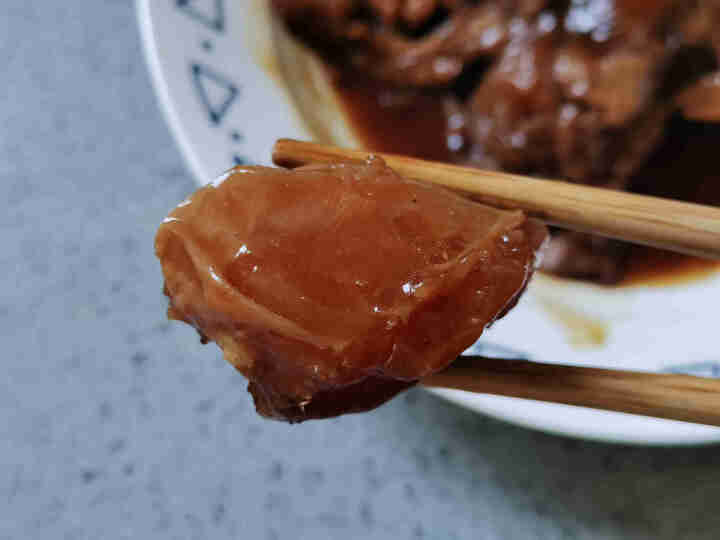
<point x="410" y="124"/>
<point x="686" y="166"/>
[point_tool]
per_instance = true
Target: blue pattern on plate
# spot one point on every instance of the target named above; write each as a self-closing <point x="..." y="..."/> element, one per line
<point x="698" y="369"/>
<point x="210" y="14"/>
<point x="209" y="83"/>
<point x="216" y="92"/>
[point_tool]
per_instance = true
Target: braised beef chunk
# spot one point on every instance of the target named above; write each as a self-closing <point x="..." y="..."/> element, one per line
<point x="333" y="288"/>
<point x="580" y="90"/>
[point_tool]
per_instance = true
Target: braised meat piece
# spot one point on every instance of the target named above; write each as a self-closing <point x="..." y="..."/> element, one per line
<point x="405" y="42"/>
<point x="333" y="288"/>
<point x="580" y="90"/>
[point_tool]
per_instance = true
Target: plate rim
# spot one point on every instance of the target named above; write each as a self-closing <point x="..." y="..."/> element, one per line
<point x="163" y="95"/>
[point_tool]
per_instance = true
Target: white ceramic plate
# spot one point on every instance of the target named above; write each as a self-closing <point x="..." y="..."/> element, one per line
<point x="213" y="68"/>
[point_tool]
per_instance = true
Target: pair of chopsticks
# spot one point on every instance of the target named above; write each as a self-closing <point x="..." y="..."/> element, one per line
<point x="677" y="226"/>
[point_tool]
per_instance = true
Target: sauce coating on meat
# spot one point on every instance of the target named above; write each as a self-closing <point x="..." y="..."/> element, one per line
<point x="333" y="288"/>
<point x="581" y="90"/>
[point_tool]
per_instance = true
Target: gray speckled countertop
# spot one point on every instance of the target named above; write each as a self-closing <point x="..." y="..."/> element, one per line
<point x="116" y="424"/>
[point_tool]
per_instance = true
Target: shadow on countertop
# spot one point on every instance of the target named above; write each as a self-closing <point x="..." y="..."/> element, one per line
<point x="586" y="489"/>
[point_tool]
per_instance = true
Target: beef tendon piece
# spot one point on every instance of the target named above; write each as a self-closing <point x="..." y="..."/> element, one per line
<point x="333" y="288"/>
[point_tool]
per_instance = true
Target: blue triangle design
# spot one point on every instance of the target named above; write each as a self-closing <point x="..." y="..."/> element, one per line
<point x="203" y="77"/>
<point x="215" y="20"/>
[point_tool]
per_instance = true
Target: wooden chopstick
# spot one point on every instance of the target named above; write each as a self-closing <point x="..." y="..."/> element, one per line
<point x="677" y="226"/>
<point x="683" y="227"/>
<point x="670" y="396"/>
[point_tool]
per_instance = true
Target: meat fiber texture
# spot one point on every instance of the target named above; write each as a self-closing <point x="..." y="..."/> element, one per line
<point x="333" y="288"/>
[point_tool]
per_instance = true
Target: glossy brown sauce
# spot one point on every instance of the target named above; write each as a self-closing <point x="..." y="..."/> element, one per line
<point x="649" y="266"/>
<point x="685" y="167"/>
<point x="386" y="121"/>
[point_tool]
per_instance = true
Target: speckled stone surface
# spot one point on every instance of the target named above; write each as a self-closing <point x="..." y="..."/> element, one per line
<point x="117" y="424"/>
